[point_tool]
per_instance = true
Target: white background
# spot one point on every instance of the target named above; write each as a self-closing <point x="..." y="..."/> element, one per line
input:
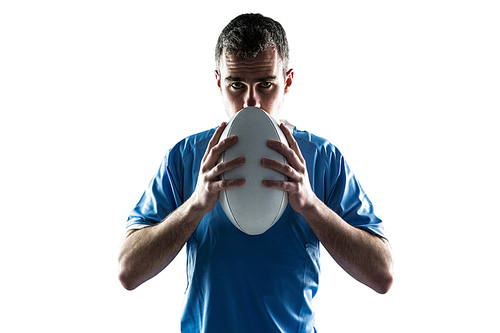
<point x="93" y="94"/>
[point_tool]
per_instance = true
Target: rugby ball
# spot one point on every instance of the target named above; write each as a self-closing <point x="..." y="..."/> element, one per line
<point x="252" y="208"/>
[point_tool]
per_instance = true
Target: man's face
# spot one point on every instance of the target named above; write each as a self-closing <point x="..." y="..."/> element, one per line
<point x="256" y="81"/>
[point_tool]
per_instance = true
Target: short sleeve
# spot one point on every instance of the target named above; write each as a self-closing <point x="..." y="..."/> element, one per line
<point x="349" y="200"/>
<point x="160" y="198"/>
<point x="174" y="182"/>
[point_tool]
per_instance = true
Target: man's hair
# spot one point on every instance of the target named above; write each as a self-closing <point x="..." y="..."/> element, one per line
<point x="248" y="34"/>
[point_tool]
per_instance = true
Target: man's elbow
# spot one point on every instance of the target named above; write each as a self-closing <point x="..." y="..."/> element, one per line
<point x="127" y="278"/>
<point x="126" y="281"/>
<point x="384" y="277"/>
<point x="384" y="283"/>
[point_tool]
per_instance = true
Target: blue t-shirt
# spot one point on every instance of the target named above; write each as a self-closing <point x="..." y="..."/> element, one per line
<point x="264" y="283"/>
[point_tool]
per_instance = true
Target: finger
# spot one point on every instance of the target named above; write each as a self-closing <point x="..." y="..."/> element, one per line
<point x="290" y="155"/>
<point x="214" y="140"/>
<point x="226" y="184"/>
<point x="282" y="168"/>
<point x="280" y="185"/>
<point x="218" y="149"/>
<point x="216" y="137"/>
<point x="291" y="141"/>
<point x="226" y="166"/>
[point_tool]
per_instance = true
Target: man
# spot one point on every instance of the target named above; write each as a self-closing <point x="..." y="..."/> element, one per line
<point x="264" y="283"/>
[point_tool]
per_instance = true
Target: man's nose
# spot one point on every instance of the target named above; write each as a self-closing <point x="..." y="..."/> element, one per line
<point x="251" y="98"/>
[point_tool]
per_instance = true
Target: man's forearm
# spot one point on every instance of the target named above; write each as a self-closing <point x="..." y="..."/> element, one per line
<point x="366" y="257"/>
<point x="146" y="252"/>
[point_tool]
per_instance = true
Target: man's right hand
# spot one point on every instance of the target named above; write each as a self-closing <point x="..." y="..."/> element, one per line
<point x="209" y="183"/>
<point x="146" y="252"/>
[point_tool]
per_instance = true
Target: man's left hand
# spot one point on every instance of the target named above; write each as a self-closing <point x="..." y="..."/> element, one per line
<point x="300" y="193"/>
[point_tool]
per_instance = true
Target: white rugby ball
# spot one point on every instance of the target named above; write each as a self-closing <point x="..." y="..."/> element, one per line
<point x="252" y="208"/>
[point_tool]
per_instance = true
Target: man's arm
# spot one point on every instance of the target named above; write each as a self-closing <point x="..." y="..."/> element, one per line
<point x="146" y="252"/>
<point x="366" y="257"/>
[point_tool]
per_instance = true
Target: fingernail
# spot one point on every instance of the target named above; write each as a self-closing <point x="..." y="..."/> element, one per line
<point x="271" y="143"/>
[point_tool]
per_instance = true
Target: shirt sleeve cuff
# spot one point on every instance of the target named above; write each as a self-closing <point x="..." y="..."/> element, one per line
<point x="137" y="224"/>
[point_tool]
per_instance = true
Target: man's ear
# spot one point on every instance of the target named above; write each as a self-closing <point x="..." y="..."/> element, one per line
<point x="217" y="78"/>
<point x="288" y="80"/>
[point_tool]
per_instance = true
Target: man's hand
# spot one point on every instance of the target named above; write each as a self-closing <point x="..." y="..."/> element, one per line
<point x="209" y="184"/>
<point x="146" y="252"/>
<point x="300" y="193"/>
<point x="366" y="257"/>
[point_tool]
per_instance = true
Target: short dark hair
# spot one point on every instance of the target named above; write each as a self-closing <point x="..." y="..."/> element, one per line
<point x="248" y="34"/>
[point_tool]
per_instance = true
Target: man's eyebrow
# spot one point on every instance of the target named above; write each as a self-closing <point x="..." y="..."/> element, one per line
<point x="267" y="78"/>
<point x="234" y="79"/>
<point x="263" y="79"/>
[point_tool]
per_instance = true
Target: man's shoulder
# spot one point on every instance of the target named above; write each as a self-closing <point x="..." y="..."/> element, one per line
<point x="194" y="142"/>
<point x="310" y="137"/>
<point x="310" y="141"/>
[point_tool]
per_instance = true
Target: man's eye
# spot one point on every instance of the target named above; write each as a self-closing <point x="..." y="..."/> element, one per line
<point x="266" y="84"/>
<point x="236" y="85"/>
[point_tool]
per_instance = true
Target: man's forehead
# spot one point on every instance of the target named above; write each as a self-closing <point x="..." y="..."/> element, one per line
<point x="265" y="62"/>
